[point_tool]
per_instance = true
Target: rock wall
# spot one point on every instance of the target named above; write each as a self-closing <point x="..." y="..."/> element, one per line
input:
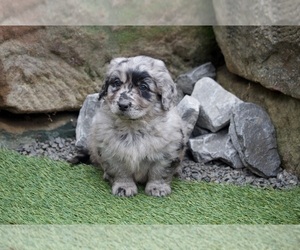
<point x="284" y="111"/>
<point x="51" y="69"/>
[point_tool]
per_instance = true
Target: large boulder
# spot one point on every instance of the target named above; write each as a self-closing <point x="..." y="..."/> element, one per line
<point x="253" y="135"/>
<point x="256" y="12"/>
<point x="283" y="110"/>
<point x="269" y="55"/>
<point x="50" y="69"/>
<point x="44" y="70"/>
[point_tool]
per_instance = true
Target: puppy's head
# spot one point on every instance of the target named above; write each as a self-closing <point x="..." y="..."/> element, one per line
<point x="138" y="86"/>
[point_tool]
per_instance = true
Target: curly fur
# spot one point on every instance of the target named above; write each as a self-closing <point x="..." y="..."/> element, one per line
<point x="136" y="134"/>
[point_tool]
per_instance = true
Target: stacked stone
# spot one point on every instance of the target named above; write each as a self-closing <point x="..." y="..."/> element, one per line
<point x="226" y="128"/>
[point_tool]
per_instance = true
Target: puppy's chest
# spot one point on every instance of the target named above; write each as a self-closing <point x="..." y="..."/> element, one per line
<point x="141" y="143"/>
<point x="129" y="137"/>
<point x="136" y="138"/>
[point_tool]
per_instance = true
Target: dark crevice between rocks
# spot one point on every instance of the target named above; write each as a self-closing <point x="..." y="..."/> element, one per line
<point x="27" y="129"/>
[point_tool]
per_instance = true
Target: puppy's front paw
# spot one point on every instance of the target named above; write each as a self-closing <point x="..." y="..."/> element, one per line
<point x="157" y="189"/>
<point x="124" y="189"/>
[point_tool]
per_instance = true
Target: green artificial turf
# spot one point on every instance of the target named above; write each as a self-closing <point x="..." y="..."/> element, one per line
<point x="42" y="191"/>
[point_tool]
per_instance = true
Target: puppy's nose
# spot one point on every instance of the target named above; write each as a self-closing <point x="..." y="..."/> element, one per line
<point x="123" y="106"/>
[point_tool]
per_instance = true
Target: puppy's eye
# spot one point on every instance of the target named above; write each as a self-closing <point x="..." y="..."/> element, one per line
<point x="116" y="83"/>
<point x="143" y="86"/>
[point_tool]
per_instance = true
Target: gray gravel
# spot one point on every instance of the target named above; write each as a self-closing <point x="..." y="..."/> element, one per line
<point x="55" y="148"/>
<point x="64" y="148"/>
<point x="220" y="173"/>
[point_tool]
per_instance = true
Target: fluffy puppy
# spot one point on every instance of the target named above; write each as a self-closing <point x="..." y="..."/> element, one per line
<point x="136" y="134"/>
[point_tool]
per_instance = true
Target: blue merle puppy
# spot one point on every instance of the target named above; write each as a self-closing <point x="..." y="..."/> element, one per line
<point x="136" y="134"/>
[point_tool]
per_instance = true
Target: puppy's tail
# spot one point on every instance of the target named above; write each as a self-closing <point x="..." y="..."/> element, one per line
<point x="80" y="158"/>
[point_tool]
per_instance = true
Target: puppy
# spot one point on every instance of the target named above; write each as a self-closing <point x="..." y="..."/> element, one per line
<point x="136" y="134"/>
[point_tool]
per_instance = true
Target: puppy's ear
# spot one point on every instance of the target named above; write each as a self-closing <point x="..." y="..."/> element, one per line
<point x="168" y="92"/>
<point x="166" y="86"/>
<point x="103" y="91"/>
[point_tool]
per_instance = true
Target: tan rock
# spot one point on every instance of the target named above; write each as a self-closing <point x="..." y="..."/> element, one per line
<point x="256" y="12"/>
<point x="50" y="69"/>
<point x="269" y="55"/>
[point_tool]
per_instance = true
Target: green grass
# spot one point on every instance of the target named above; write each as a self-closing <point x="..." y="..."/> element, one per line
<point x="42" y="191"/>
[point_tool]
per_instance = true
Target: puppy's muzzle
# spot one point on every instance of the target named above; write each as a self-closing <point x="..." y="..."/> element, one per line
<point x="124" y="102"/>
<point x="124" y="105"/>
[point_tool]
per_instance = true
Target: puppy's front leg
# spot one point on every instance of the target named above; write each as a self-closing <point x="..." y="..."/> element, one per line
<point x="122" y="182"/>
<point x="159" y="179"/>
<point x="158" y="188"/>
<point x="124" y="187"/>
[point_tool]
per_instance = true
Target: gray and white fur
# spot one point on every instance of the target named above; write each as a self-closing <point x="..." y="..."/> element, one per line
<point x="136" y="134"/>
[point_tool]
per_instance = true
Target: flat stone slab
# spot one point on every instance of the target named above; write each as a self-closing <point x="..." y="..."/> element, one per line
<point x="187" y="81"/>
<point x="215" y="146"/>
<point x="253" y="136"/>
<point x="188" y="109"/>
<point x="84" y="121"/>
<point x="216" y="104"/>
